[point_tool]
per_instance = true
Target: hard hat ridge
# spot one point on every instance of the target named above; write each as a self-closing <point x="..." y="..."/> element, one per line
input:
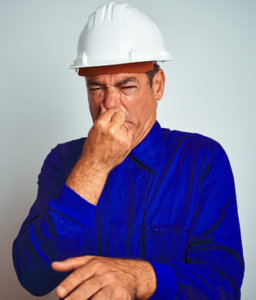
<point x="119" y="34"/>
<point x="113" y="12"/>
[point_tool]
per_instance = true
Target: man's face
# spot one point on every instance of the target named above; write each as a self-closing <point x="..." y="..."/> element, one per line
<point x="132" y="93"/>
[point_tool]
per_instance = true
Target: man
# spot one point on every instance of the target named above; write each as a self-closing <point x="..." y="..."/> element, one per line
<point x="134" y="211"/>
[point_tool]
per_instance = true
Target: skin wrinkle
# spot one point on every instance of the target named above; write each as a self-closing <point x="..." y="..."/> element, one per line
<point x="142" y="98"/>
<point x="126" y="80"/>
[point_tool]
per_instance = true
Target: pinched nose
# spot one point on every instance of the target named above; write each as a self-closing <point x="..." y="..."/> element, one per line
<point x="112" y="97"/>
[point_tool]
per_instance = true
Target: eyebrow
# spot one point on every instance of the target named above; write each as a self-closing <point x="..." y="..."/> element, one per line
<point x="92" y="82"/>
<point x="124" y="81"/>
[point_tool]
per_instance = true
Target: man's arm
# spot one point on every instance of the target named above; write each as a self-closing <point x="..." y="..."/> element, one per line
<point x="107" y="145"/>
<point x="106" y="278"/>
<point x="60" y="219"/>
<point x="213" y="267"/>
<point x="219" y="186"/>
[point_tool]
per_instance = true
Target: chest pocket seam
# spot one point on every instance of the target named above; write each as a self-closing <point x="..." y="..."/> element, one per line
<point x="168" y="229"/>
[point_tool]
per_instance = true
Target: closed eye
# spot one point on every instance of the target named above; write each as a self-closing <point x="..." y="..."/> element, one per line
<point x="95" y="89"/>
<point x="128" y="87"/>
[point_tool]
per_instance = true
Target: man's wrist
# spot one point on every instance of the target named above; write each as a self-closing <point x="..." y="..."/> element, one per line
<point x="146" y="281"/>
<point x="94" y="167"/>
<point x="86" y="181"/>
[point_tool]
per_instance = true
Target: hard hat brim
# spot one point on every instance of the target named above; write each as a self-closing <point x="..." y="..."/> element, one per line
<point x="140" y="67"/>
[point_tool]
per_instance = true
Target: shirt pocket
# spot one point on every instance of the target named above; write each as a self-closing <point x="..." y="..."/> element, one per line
<point x="167" y="234"/>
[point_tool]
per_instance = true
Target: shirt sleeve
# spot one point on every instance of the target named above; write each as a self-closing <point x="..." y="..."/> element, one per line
<point x="53" y="231"/>
<point x="214" y="264"/>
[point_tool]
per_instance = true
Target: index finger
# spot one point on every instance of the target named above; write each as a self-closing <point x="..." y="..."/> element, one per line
<point x="130" y="135"/>
<point x="108" y="114"/>
<point x="71" y="263"/>
<point x="75" y="279"/>
<point x="102" y="109"/>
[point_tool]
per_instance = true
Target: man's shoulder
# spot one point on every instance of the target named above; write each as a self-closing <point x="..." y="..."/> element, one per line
<point x="68" y="151"/>
<point x="72" y="145"/>
<point x="190" y="136"/>
<point x="193" y="151"/>
<point x="190" y="142"/>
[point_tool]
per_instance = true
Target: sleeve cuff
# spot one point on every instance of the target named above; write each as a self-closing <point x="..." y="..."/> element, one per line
<point x="166" y="282"/>
<point x="75" y="207"/>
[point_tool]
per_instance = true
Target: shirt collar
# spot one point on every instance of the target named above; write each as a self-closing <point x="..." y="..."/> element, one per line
<point x="150" y="150"/>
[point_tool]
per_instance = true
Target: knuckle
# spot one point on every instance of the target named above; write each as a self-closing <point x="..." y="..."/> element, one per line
<point x="112" y="131"/>
<point x="96" y="263"/>
<point x="99" y="123"/>
<point x="78" y="274"/>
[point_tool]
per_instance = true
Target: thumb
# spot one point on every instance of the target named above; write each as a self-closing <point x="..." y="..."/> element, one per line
<point x="102" y="108"/>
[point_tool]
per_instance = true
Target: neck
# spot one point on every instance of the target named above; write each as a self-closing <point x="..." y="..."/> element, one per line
<point x="144" y="132"/>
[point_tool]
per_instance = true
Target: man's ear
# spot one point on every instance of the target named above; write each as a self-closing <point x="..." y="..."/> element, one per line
<point x="158" y="84"/>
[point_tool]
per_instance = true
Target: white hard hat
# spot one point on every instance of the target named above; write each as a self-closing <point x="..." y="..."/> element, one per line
<point x="119" y="34"/>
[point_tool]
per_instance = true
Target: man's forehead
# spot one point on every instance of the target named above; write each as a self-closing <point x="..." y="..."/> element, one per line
<point x="114" y="78"/>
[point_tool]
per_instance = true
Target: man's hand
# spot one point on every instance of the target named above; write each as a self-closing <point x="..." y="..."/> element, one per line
<point x="106" y="278"/>
<point x="109" y="142"/>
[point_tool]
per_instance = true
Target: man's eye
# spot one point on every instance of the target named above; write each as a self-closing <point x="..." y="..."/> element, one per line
<point x="128" y="87"/>
<point x="95" y="89"/>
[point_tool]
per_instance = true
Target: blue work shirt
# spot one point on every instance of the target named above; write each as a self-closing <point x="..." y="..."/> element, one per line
<point x="171" y="202"/>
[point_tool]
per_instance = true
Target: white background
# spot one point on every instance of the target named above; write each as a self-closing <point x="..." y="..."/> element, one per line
<point x="210" y="89"/>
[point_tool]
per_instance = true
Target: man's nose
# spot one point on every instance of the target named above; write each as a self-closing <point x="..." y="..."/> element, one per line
<point x="112" y="97"/>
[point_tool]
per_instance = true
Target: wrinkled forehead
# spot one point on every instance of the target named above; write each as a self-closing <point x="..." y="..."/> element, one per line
<point x="116" y="79"/>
